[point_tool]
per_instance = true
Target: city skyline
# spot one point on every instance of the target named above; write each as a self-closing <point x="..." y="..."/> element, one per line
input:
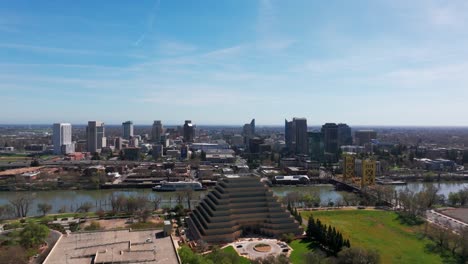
<point x="363" y="63"/>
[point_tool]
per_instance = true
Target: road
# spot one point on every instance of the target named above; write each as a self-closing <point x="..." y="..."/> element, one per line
<point x="444" y="221"/>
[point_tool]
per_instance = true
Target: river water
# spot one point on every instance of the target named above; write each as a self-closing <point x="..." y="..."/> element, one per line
<point x="70" y="200"/>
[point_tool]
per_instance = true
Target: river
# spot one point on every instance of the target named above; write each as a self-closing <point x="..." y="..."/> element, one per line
<point x="70" y="200"/>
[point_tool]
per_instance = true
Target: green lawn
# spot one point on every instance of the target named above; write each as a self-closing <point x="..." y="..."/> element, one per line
<point x="299" y="249"/>
<point x="231" y="250"/>
<point x="379" y="230"/>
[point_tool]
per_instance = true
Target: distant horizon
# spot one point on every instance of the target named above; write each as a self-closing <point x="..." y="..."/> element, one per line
<point x="240" y="125"/>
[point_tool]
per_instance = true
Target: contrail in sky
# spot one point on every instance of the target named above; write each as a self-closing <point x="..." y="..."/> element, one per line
<point x="150" y="23"/>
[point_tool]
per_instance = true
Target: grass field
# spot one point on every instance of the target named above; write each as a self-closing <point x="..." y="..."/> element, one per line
<point x="231" y="250"/>
<point x="379" y="230"/>
<point x="300" y="248"/>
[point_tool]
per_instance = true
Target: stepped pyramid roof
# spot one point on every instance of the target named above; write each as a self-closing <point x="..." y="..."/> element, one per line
<point x="238" y="206"/>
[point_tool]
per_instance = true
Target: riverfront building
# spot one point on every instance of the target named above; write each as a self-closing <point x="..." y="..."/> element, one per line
<point x="238" y="206"/>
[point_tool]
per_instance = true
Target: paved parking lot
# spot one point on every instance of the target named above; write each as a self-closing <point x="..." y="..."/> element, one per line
<point x="460" y="214"/>
<point x="445" y="221"/>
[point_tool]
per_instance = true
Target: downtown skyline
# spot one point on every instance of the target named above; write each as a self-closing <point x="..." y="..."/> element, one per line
<point x="368" y="63"/>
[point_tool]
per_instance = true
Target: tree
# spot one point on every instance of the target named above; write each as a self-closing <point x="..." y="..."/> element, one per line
<point x="44" y="208"/>
<point x="35" y="163"/>
<point x="96" y="156"/>
<point x="454" y="198"/>
<point x="311" y="228"/>
<point x="188" y="193"/>
<point x="33" y="234"/>
<point x="21" y="204"/>
<point x="85" y="207"/>
<point x="464" y="244"/>
<point x="144" y="214"/>
<point x="179" y="210"/>
<point x="187" y="256"/>
<point x="358" y="255"/>
<point x="287" y="237"/>
<point x="62" y="209"/>
<point x="156" y="201"/>
<point x="316" y="257"/>
<point x="6" y="211"/>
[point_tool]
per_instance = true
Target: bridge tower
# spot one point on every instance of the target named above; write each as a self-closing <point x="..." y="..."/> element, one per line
<point x="349" y="166"/>
<point x="369" y="170"/>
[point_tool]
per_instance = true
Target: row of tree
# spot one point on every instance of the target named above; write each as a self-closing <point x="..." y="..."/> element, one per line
<point x="20" y="206"/>
<point x="446" y="240"/>
<point x="459" y="198"/>
<point x="330" y="239"/>
<point x="295" y="214"/>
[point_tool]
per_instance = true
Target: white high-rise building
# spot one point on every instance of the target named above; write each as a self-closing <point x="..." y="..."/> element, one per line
<point x="62" y="139"/>
<point x="96" y="136"/>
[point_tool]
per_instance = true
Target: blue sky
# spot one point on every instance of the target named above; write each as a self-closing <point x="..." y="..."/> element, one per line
<point x="225" y="62"/>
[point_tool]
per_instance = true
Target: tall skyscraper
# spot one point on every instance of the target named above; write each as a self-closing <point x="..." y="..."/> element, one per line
<point x="296" y="136"/>
<point x="249" y="129"/>
<point x="252" y="126"/>
<point x="189" y="131"/>
<point x="345" y="137"/>
<point x="62" y="139"/>
<point x="335" y="136"/>
<point x="96" y="136"/>
<point x="316" y="146"/>
<point x="127" y="130"/>
<point x="289" y="136"/>
<point x="248" y="132"/>
<point x="330" y="138"/>
<point x="156" y="131"/>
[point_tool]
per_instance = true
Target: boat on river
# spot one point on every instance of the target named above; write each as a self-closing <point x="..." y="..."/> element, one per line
<point x="389" y="182"/>
<point x="179" y="186"/>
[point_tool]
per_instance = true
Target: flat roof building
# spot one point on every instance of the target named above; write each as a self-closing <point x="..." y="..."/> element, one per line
<point x="121" y="246"/>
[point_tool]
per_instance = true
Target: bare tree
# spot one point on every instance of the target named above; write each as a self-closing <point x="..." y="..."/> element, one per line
<point x="44" y="208"/>
<point x="117" y="202"/>
<point x="179" y="197"/>
<point x="156" y="201"/>
<point x="21" y="204"/>
<point x="85" y="207"/>
<point x="6" y="211"/>
<point x="188" y="193"/>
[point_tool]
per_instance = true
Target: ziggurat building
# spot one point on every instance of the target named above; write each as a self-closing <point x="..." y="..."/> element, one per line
<point x="237" y="206"/>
